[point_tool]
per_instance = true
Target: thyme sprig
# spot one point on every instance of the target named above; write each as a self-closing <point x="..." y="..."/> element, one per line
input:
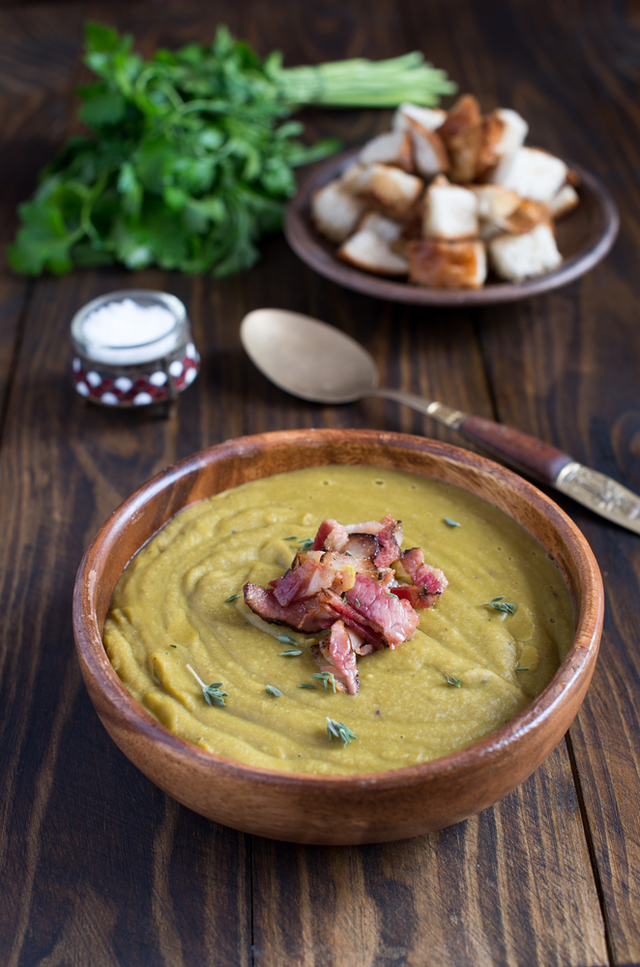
<point x="341" y="731"/>
<point x="326" y="678"/>
<point x="213" y="694"/>
<point x="499" y="604"/>
<point x="306" y="543"/>
<point x="456" y="682"/>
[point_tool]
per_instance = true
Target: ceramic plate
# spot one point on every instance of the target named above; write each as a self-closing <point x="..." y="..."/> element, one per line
<point x="584" y="237"/>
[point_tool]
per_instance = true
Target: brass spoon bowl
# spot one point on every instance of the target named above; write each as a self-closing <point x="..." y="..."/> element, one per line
<point x="334" y="809"/>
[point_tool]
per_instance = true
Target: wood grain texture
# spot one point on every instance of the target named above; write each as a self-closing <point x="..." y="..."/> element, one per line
<point x="470" y="894"/>
<point x="97" y="865"/>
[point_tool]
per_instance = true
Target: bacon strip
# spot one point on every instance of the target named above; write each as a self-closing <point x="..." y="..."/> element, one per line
<point x="305" y="615"/>
<point x="338" y="652"/>
<point x="429" y="581"/>
<point x="349" y="582"/>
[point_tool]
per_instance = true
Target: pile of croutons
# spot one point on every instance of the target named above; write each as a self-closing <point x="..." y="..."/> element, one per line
<point x="442" y="197"/>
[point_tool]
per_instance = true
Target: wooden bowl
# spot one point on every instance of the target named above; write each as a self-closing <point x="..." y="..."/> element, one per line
<point x="584" y="237"/>
<point x="302" y="808"/>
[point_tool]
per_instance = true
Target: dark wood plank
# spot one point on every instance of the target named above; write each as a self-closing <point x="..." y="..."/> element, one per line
<point x="512" y="886"/>
<point x="577" y="352"/>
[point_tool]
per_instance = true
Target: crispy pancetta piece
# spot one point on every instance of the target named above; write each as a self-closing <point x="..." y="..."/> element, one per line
<point x="356" y="581"/>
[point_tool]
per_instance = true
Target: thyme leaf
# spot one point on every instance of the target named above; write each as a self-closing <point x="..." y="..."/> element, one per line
<point x="523" y="669"/>
<point x="456" y="682"/>
<point x="291" y="653"/>
<point x="233" y="597"/>
<point x="450" y="523"/>
<point x="285" y="639"/>
<point x="272" y="690"/>
<point x="306" y="685"/>
<point x="306" y="543"/>
<point x="213" y="694"/>
<point x="326" y="678"/>
<point x="341" y="731"/>
<point x="291" y="537"/>
<point x="499" y="604"/>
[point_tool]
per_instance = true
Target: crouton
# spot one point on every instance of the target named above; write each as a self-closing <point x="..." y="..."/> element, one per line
<point x="411" y="231"/>
<point x="447" y="265"/>
<point x="429" y="153"/>
<point x="411" y="117"/>
<point x="392" y="148"/>
<point x="503" y="131"/>
<point x="462" y="136"/>
<point x="393" y="190"/>
<point x="565" y="201"/>
<point x="450" y="212"/>
<point x="386" y="228"/>
<point x="335" y="211"/>
<point x="494" y="201"/>
<point x="526" y="216"/>
<point x="369" y="251"/>
<point x="515" y="257"/>
<point x="351" y="175"/>
<point x="530" y="172"/>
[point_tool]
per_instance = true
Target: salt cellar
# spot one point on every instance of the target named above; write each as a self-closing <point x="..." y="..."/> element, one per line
<point x="132" y="348"/>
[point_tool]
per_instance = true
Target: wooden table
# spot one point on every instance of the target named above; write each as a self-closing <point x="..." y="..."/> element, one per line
<point x="97" y="866"/>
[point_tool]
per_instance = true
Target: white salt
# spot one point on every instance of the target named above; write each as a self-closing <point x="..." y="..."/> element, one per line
<point x="129" y="332"/>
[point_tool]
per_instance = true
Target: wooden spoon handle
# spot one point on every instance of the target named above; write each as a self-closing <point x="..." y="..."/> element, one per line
<point x="523" y="451"/>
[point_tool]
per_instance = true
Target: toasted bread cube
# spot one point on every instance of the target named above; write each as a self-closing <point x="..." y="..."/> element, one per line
<point x="495" y="202"/>
<point x="530" y="172"/>
<point x="410" y="116"/>
<point x="392" y="148"/>
<point x="503" y="131"/>
<point x="565" y="201"/>
<point x="351" y="175"/>
<point x="515" y="257"/>
<point x="335" y="211"/>
<point x="450" y="212"/>
<point x="526" y="216"/>
<point x="367" y="250"/>
<point x="387" y="187"/>
<point x="447" y="265"/>
<point x="462" y="134"/>
<point x="385" y="228"/>
<point x="429" y="153"/>
<point x="514" y="131"/>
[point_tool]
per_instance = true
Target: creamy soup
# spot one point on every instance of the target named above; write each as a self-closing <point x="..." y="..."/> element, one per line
<point x="469" y="668"/>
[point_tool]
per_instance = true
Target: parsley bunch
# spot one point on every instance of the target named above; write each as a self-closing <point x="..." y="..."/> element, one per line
<point x="190" y="160"/>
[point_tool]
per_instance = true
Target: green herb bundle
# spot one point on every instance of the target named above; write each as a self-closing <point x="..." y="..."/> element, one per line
<point x="191" y="158"/>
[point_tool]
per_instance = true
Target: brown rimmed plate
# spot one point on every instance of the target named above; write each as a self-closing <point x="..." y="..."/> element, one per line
<point x="584" y="237"/>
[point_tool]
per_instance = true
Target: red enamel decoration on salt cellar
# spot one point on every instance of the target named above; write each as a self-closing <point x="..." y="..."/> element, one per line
<point x="133" y="348"/>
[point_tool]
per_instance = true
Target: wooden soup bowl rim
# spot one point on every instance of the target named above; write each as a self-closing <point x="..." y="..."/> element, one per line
<point x="537" y="729"/>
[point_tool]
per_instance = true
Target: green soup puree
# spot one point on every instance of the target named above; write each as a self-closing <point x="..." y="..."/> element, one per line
<point x="468" y="669"/>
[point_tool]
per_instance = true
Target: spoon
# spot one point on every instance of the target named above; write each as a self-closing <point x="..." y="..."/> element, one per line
<point x="320" y="363"/>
